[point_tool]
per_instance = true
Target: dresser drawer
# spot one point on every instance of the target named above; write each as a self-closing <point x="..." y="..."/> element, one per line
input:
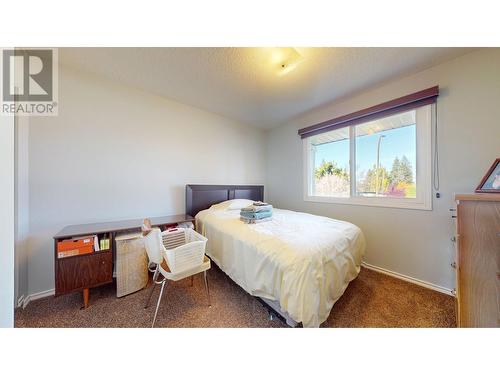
<point x="83" y="271"/>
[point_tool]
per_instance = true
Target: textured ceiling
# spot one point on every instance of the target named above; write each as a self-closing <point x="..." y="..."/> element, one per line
<point x="242" y="84"/>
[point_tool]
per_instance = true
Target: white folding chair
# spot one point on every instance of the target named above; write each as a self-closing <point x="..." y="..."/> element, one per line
<point x="183" y="257"/>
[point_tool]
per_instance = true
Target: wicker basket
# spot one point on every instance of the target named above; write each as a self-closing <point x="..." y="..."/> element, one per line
<point x="131" y="264"/>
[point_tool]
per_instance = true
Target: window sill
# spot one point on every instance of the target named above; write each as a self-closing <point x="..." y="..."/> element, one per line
<point x="404" y="203"/>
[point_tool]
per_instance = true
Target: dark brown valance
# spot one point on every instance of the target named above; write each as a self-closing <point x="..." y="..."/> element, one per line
<point x="402" y="104"/>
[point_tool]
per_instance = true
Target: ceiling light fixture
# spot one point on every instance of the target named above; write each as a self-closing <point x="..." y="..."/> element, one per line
<point x="285" y="59"/>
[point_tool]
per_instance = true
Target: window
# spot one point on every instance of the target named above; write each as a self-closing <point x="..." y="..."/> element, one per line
<point x="384" y="162"/>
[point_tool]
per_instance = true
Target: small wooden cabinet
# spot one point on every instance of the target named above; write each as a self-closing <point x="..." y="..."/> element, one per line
<point x="478" y="260"/>
<point x="84" y="271"/>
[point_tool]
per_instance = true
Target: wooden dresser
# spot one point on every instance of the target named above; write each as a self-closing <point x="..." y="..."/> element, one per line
<point x="82" y="272"/>
<point x="478" y="260"/>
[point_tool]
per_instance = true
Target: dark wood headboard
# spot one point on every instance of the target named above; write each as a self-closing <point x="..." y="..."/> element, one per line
<point x="201" y="197"/>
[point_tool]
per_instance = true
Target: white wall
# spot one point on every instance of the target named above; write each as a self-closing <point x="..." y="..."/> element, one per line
<point x="6" y="221"/>
<point x="21" y="207"/>
<point x="413" y="243"/>
<point x="115" y="152"/>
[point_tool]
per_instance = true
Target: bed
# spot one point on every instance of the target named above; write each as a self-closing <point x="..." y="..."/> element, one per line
<point x="297" y="263"/>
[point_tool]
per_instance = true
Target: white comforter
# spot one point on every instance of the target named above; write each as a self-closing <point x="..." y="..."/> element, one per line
<point x="303" y="261"/>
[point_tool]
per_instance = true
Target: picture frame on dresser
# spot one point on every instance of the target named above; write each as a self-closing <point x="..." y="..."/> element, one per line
<point x="490" y="183"/>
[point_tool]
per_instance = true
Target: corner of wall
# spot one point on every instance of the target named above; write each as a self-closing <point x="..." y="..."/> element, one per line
<point x="21" y="204"/>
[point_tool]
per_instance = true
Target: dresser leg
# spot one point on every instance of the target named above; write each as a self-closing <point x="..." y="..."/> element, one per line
<point x="85" y="298"/>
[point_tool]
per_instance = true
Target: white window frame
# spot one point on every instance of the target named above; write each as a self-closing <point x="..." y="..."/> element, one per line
<point x="423" y="200"/>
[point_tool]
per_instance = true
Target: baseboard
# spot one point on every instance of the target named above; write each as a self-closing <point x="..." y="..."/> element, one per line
<point x="35" y="296"/>
<point x="20" y="301"/>
<point x="410" y="279"/>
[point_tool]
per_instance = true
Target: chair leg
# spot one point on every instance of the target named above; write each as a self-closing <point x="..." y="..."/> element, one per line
<point x="206" y="287"/>
<point x="155" y="276"/>
<point x="192" y="280"/>
<point x="158" y="303"/>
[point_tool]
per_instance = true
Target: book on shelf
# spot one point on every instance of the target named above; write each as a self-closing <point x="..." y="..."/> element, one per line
<point x="82" y="245"/>
<point x="104" y="243"/>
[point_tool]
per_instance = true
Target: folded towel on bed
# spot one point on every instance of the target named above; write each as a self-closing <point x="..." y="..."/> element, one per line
<point x="255" y="221"/>
<point x="256" y="215"/>
<point x="260" y="203"/>
<point x="258" y="207"/>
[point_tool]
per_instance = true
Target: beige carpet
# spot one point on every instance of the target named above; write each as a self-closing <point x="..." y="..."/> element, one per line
<point x="372" y="300"/>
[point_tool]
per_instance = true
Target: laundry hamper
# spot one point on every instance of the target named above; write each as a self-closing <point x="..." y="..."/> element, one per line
<point x="185" y="248"/>
<point x="131" y="264"/>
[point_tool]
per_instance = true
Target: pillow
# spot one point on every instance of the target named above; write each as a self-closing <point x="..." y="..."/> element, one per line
<point x="233" y="204"/>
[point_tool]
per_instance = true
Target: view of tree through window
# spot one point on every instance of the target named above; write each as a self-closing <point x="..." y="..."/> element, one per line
<point x="385" y="159"/>
<point x="331" y="164"/>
